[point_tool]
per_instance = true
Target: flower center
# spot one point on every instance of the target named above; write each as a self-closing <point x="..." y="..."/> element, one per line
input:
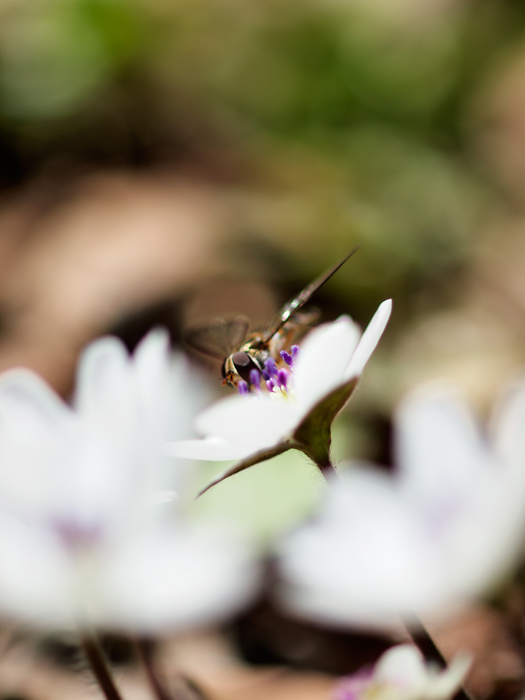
<point x="277" y="377"/>
<point x="76" y="534"/>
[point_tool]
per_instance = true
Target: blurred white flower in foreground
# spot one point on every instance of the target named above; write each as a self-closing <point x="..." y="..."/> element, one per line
<point x="88" y="535"/>
<point x="401" y="673"/>
<point x="299" y="411"/>
<point x="445" y="528"/>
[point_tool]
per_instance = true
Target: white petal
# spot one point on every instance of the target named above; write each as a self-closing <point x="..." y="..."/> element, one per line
<point x="172" y="581"/>
<point x="369" y="341"/>
<point x="25" y="396"/>
<point x="402" y="666"/>
<point x="259" y="421"/>
<point x="447" y="682"/>
<point x="438" y="446"/>
<point x="150" y="361"/>
<point x="211" y="449"/>
<point x="492" y="527"/>
<point x="102" y="375"/>
<point x="164" y="412"/>
<point x="35" y="426"/>
<point x="152" y="351"/>
<point x="322" y="360"/>
<point x="365" y="560"/>
<point x="35" y="576"/>
<point x="160" y="497"/>
<point x="509" y="428"/>
<point x="190" y="394"/>
<point x="442" y="531"/>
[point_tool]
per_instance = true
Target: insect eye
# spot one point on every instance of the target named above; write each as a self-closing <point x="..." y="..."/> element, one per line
<point x="244" y="364"/>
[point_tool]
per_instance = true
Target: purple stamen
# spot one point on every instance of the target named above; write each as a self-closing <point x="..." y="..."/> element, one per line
<point x="255" y="378"/>
<point x="295" y="351"/>
<point x="265" y="375"/>
<point x="287" y="357"/>
<point x="270" y="385"/>
<point x="271" y="367"/>
<point x="282" y="378"/>
<point x="243" y="388"/>
<point x="353" y="687"/>
<point x="75" y="534"/>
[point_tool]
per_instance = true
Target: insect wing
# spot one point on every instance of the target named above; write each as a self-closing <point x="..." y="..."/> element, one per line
<point x="291" y="308"/>
<point x="219" y="338"/>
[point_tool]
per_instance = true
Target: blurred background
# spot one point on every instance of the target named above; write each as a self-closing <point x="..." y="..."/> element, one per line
<point x="167" y="162"/>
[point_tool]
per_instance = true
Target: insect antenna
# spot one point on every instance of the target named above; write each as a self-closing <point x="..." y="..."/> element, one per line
<point x="291" y="308"/>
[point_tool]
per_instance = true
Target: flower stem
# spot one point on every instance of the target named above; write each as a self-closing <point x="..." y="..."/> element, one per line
<point x="144" y="654"/>
<point x="327" y="470"/>
<point x="428" y="648"/>
<point x="184" y="688"/>
<point x="100" y="668"/>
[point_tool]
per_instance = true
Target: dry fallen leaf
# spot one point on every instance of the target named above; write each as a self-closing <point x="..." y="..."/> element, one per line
<point x="113" y="244"/>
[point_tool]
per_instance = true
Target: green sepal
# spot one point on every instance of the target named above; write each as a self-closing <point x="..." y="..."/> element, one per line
<point x="255" y="458"/>
<point x="313" y="436"/>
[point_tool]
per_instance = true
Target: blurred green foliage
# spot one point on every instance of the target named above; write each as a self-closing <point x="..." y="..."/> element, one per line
<point x="288" y="484"/>
<point x="349" y="121"/>
<point x="56" y="55"/>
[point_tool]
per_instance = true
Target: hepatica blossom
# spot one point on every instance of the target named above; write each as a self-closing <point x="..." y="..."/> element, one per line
<point x="447" y="526"/>
<point x="290" y="405"/>
<point x="89" y="528"/>
<point x="401" y="673"/>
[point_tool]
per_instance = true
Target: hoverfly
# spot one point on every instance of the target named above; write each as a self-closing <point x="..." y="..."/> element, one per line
<point x="241" y="351"/>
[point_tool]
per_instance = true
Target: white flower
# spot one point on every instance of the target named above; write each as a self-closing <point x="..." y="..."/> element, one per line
<point x="445" y="528"/>
<point x="259" y="425"/>
<point x="87" y="532"/>
<point x="402" y="674"/>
